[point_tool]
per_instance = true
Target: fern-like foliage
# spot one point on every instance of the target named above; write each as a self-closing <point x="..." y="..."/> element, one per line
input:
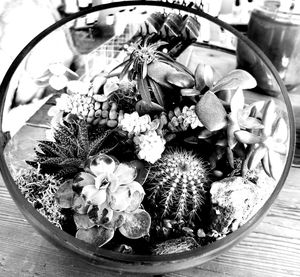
<point x="73" y="144"/>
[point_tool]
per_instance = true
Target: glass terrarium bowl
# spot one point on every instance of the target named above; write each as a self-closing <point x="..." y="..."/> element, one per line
<point x="105" y="44"/>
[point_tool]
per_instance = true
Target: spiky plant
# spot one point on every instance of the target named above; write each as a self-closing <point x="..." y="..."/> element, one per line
<point x="72" y="146"/>
<point x="149" y="67"/>
<point x="176" y="185"/>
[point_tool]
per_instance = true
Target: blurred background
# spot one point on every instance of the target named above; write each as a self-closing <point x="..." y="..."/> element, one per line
<point x="22" y="20"/>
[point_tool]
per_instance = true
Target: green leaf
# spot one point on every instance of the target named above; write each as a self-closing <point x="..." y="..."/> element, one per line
<point x="157" y="91"/>
<point x="180" y="79"/>
<point x="247" y="137"/>
<point x="256" y="156"/>
<point x="136" y="225"/>
<point x="211" y="112"/>
<point x="235" y="79"/>
<point x="143" y="89"/>
<point x="158" y="71"/>
<point x="268" y="118"/>
<point x="143" y="107"/>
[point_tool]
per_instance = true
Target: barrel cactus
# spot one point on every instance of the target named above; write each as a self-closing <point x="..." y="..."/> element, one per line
<point x="176" y="185"/>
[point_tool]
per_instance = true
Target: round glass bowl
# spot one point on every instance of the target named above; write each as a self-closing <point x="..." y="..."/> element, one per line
<point x="100" y="45"/>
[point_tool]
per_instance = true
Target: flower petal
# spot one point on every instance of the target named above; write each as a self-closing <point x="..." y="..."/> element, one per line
<point x="102" y="163"/>
<point x="137" y="194"/>
<point x="125" y="173"/>
<point x="97" y="235"/>
<point x="136" y="225"/>
<point x="93" y="196"/>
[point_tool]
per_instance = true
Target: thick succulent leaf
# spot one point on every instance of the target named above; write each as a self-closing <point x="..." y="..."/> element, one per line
<point x="97" y="236"/>
<point x="211" y="112"/>
<point x="136" y="225"/>
<point x="79" y="204"/>
<point x="232" y="127"/>
<point x="136" y="196"/>
<point x="142" y="171"/>
<point x="96" y="144"/>
<point x="158" y="71"/>
<point x="280" y="133"/>
<point x="93" y="196"/>
<point x="81" y="180"/>
<point x="249" y="122"/>
<point x="230" y="158"/>
<point x="180" y="79"/>
<point x="82" y="221"/>
<point x="119" y="199"/>
<point x="125" y="173"/>
<point x="204" y="76"/>
<point x="102" y="163"/>
<point x="235" y="79"/>
<point x="268" y="118"/>
<point x="237" y="101"/>
<point x="276" y="164"/>
<point x="266" y="165"/>
<point x="256" y="156"/>
<point x="143" y="89"/>
<point x="276" y="146"/>
<point x="157" y="91"/>
<point x="247" y="137"/>
<point x="57" y="68"/>
<point x="189" y="92"/>
<point x="143" y="107"/>
<point x="178" y="66"/>
<point x="65" y="195"/>
<point x="100" y="215"/>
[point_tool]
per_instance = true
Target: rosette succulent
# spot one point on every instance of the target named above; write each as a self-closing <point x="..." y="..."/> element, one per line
<point x="106" y="197"/>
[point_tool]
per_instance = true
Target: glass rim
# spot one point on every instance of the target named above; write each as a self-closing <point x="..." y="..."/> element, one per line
<point x="108" y="259"/>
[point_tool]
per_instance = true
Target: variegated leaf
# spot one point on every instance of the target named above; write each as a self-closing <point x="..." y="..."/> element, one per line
<point x="256" y="156"/>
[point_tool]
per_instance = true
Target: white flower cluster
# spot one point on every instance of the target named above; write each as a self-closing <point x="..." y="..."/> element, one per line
<point x="135" y="124"/>
<point x="150" y="146"/>
<point x="190" y="117"/>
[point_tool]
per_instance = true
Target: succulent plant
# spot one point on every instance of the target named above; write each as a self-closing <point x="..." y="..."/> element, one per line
<point x="150" y="67"/>
<point x="149" y="143"/>
<point x="269" y="145"/>
<point x="176" y="185"/>
<point x="71" y="148"/>
<point x="105" y="199"/>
